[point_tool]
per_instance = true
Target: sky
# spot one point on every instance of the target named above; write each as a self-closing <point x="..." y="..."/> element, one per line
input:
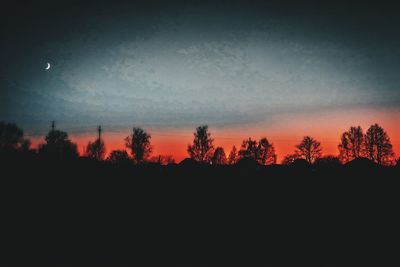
<point x="279" y="69"/>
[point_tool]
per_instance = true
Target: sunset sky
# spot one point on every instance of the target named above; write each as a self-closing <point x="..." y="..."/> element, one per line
<point x="245" y="68"/>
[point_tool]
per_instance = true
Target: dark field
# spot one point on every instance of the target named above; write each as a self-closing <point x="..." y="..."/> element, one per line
<point x="59" y="212"/>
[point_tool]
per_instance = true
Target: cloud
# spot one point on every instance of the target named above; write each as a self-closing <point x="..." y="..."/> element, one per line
<point x="182" y="71"/>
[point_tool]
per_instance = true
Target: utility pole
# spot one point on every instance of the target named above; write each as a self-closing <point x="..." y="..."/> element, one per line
<point x="98" y="146"/>
<point x="99" y="130"/>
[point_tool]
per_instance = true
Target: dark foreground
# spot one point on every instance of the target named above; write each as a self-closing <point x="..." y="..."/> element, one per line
<point x="85" y="213"/>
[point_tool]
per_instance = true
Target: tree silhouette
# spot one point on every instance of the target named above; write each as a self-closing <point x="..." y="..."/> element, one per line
<point x="96" y="150"/>
<point x="266" y="152"/>
<point x="351" y="144"/>
<point x="263" y="151"/>
<point x="378" y="146"/>
<point x="290" y="159"/>
<point x="202" y="148"/>
<point x="139" y="144"/>
<point x="119" y="156"/>
<point x="58" y="146"/>
<point x="248" y="149"/>
<point x="11" y="136"/>
<point x="374" y="147"/>
<point x="219" y="157"/>
<point x="309" y="149"/>
<point x="233" y="156"/>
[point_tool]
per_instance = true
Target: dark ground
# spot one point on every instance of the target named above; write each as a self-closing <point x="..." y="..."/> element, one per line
<point x="83" y="212"/>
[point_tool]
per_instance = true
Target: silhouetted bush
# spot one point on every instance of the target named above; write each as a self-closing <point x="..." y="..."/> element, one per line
<point x="248" y="163"/>
<point x="289" y="159"/>
<point x="328" y="162"/>
<point x="300" y="164"/>
<point x="361" y="164"/>
<point x="119" y="157"/>
<point x="11" y="136"/>
<point x="189" y="162"/>
<point x="163" y="159"/>
<point x="58" y="146"/>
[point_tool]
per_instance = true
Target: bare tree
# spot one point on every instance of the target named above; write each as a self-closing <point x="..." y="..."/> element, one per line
<point x="378" y="146"/>
<point x="219" y="157"/>
<point x="233" y="156"/>
<point x="351" y="144"/>
<point x="202" y="148"/>
<point x="309" y="149"/>
<point x="139" y="144"/>
<point x="96" y="150"/>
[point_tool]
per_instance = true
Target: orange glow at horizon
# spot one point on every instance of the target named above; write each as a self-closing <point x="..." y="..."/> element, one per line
<point x="284" y="134"/>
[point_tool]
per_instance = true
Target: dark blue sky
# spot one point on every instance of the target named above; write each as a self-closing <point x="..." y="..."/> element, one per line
<point x="184" y="63"/>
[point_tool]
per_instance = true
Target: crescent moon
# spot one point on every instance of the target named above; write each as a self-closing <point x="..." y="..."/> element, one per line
<point x="48" y="66"/>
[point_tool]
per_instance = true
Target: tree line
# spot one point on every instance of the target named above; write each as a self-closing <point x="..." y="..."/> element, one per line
<point x="374" y="145"/>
